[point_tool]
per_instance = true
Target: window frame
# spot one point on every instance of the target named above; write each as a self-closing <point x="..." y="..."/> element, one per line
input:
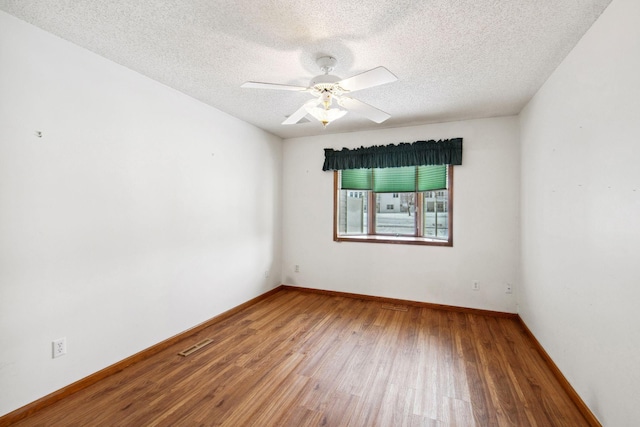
<point x="371" y="237"/>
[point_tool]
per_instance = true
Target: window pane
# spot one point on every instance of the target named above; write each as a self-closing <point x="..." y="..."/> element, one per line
<point x="436" y="214"/>
<point x="352" y="212"/>
<point x="395" y="215"/>
<point x="415" y="217"/>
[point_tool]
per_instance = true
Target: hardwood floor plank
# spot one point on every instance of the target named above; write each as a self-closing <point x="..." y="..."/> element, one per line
<point x="311" y="359"/>
<point x="301" y="417"/>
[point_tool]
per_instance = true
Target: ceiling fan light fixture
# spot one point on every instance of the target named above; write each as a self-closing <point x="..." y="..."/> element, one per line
<point x="325" y="115"/>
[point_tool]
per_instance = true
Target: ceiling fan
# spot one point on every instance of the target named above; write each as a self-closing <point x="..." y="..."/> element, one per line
<point x="329" y="90"/>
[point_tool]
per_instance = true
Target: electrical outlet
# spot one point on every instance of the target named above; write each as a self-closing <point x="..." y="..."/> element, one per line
<point x="508" y="289"/>
<point x="59" y="347"/>
<point x="475" y="285"/>
<point x="266" y="274"/>
<point x="297" y="268"/>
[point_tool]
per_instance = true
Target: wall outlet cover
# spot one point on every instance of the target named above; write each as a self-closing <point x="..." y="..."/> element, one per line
<point x="59" y="347"/>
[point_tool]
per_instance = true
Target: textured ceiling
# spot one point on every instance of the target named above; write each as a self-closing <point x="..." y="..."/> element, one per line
<point x="455" y="59"/>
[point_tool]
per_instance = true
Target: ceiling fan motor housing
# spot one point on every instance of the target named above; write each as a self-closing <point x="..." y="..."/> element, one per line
<point x="324" y="82"/>
<point x="324" y="79"/>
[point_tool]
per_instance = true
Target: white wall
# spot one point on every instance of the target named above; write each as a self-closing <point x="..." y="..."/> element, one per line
<point x="138" y="214"/>
<point x="581" y="216"/>
<point x="486" y="222"/>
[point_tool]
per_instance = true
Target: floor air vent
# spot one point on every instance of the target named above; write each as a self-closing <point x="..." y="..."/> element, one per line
<point x="195" y="347"/>
<point x="394" y="307"/>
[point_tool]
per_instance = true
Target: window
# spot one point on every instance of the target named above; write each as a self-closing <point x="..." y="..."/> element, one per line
<point x="411" y="205"/>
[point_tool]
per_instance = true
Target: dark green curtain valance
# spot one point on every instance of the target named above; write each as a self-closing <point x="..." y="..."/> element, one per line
<point x="443" y="152"/>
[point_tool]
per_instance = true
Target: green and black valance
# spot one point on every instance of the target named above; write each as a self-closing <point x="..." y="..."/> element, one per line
<point x="419" y="153"/>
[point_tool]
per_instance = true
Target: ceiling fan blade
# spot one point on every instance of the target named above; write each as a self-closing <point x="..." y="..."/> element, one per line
<point x="375" y="77"/>
<point x="299" y="113"/>
<point x="365" y="110"/>
<point x="260" y="85"/>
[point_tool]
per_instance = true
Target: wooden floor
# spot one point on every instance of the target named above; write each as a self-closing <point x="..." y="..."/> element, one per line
<point x="305" y="359"/>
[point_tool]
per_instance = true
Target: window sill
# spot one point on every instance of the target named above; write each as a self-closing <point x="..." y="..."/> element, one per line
<point x="403" y="240"/>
